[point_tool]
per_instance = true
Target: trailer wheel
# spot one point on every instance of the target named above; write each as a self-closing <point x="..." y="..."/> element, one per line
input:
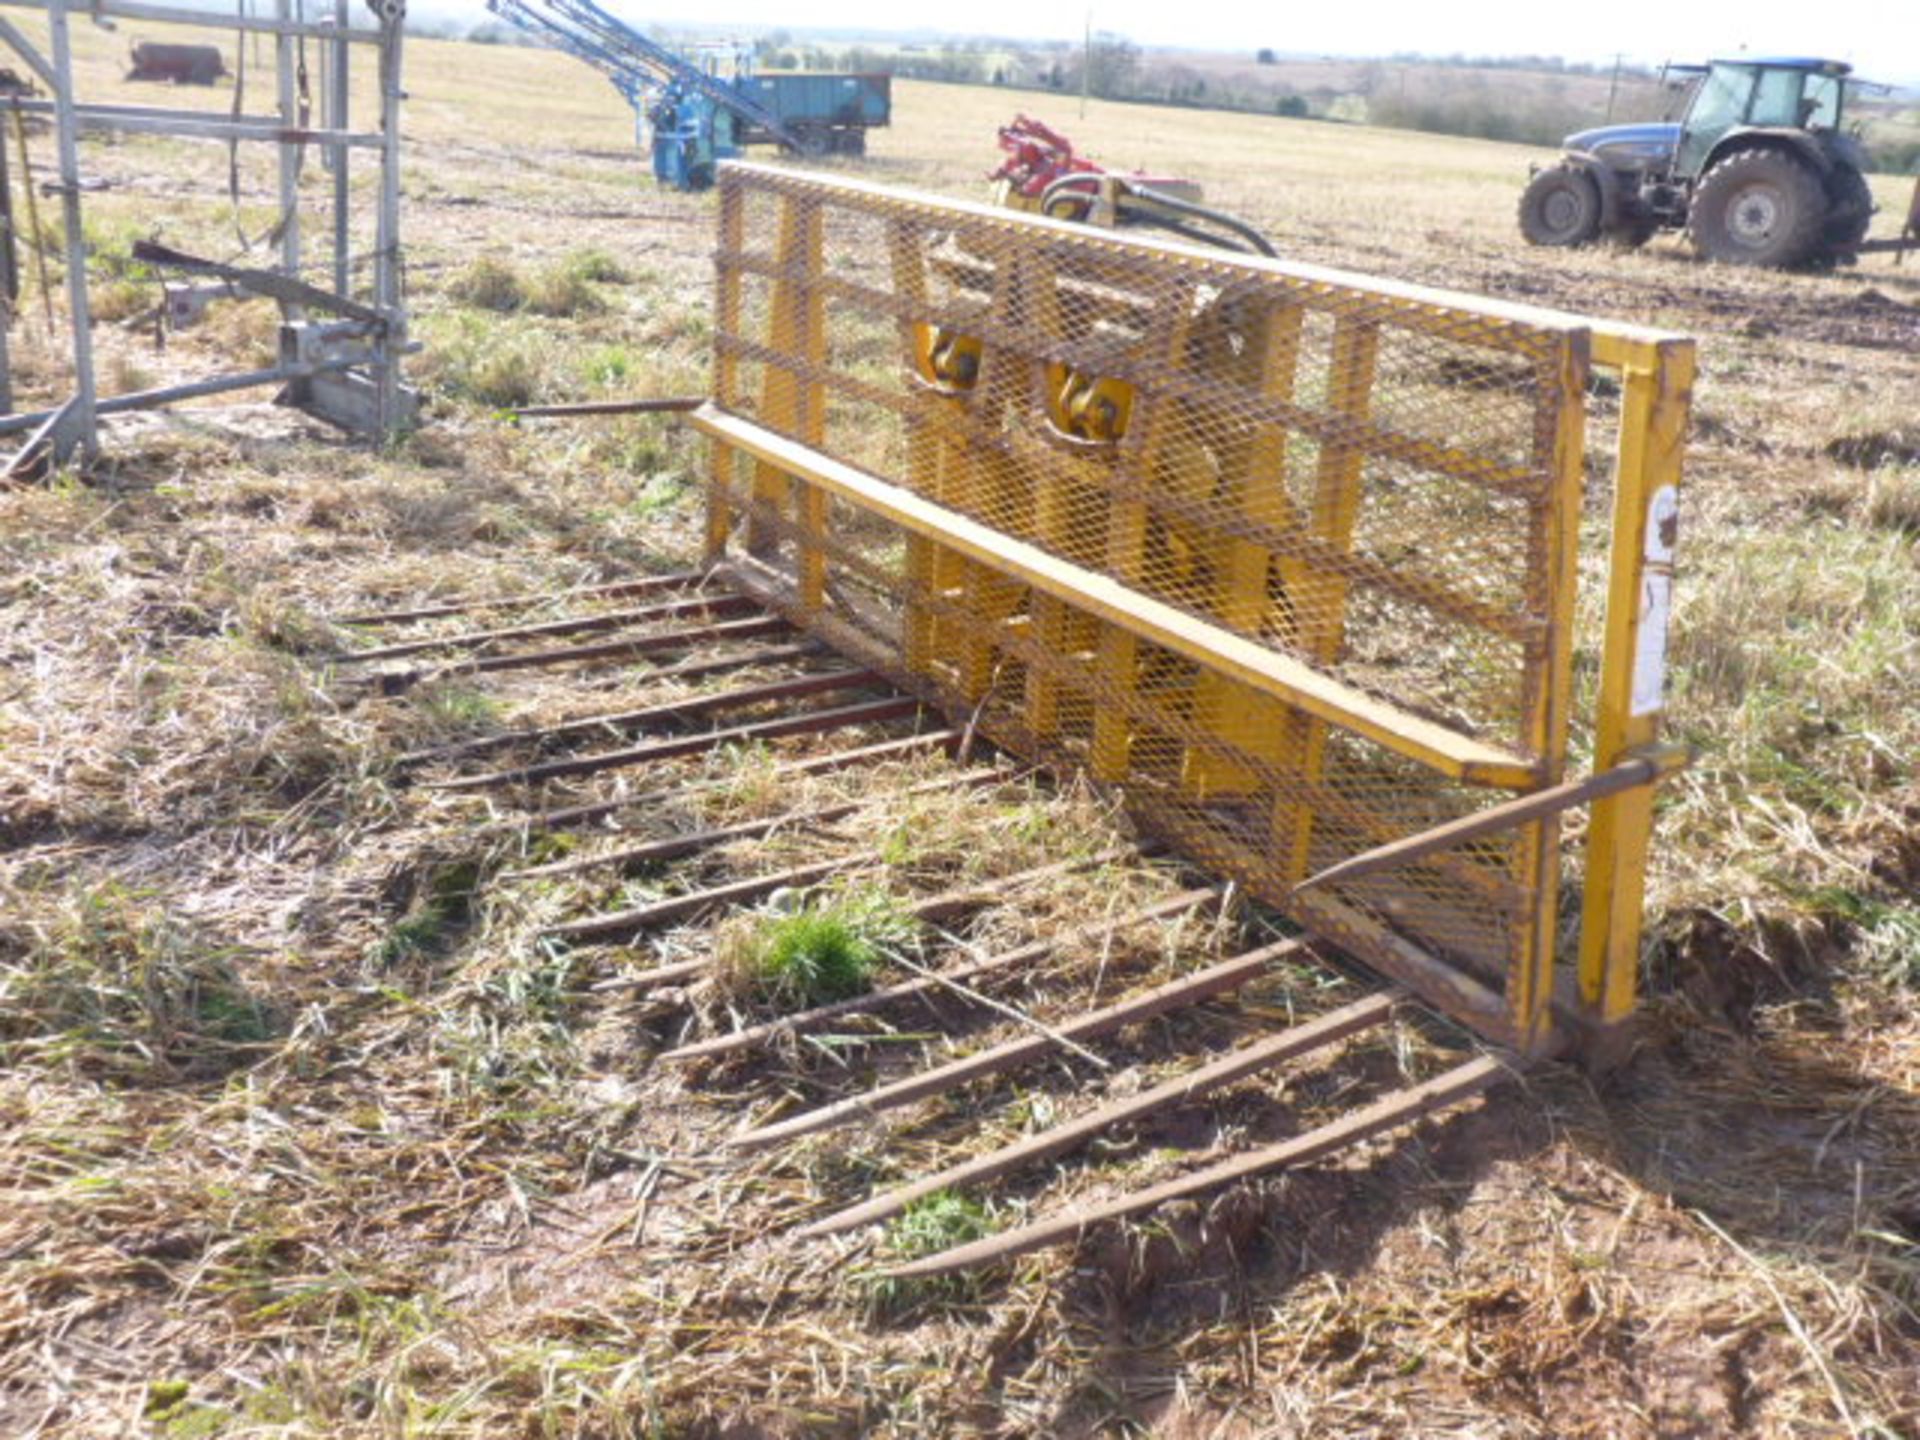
<point x="1560" y="206"/>
<point x="1758" y="207"/>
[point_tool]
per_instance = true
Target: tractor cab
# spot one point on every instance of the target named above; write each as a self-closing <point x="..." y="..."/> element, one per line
<point x="1737" y="95"/>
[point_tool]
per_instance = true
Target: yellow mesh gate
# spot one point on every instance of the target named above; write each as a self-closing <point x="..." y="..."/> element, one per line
<point x="1288" y="555"/>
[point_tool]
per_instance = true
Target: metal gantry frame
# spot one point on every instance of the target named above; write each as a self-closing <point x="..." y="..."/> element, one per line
<point x="344" y="369"/>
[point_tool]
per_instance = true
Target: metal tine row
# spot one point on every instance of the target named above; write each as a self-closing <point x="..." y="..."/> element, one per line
<point x="732" y="618"/>
<point x="939" y="908"/>
<point x="969" y="972"/>
<point x="1238" y="1064"/>
<point x="716" y="606"/>
<point x="621" y="589"/>
<point x="880" y="752"/>
<point x="811" y="722"/>
<point x="1390" y="1112"/>
<point x="628" y="647"/>
<point x="1045" y="1042"/>
<point x="655" y="717"/>
<point x="1202" y="985"/>
<point x="691" y="842"/>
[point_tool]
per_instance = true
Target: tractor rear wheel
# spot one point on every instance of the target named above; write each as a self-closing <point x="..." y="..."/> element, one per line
<point x="1561" y="206"/>
<point x="1851" y="213"/>
<point x="1758" y="207"/>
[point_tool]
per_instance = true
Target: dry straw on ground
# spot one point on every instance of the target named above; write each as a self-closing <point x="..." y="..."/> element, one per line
<point x="305" y="1130"/>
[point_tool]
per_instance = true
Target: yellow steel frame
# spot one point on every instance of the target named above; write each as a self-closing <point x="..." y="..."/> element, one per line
<point x="1657" y="392"/>
<point x="1274" y="705"/>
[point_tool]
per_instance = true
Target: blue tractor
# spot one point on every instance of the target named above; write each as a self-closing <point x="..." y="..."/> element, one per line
<point x="1757" y="171"/>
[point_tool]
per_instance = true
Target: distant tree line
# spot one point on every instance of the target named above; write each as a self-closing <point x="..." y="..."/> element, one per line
<point x="1444" y="95"/>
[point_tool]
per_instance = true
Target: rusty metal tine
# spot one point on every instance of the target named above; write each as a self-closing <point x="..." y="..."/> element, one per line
<point x="632" y="646"/>
<point x="906" y="989"/>
<point x="1289" y="1044"/>
<point x="793" y="688"/>
<point x="659" y="975"/>
<point x="573" y="625"/>
<point x="670" y="405"/>
<point x="646" y="585"/>
<point x="970" y="897"/>
<point x="814" y="765"/>
<point x="1401" y="1107"/>
<point x="812" y="722"/>
<point x="1188" y="990"/>
<point x="672" y="847"/>
<point x="683" y="670"/>
<point x="1641" y="770"/>
<point x="646" y="917"/>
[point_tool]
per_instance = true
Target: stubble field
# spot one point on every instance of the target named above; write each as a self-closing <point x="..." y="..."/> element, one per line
<point x="308" y="1127"/>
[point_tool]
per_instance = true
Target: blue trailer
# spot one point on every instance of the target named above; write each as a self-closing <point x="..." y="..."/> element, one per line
<point x="830" y="113"/>
<point x="699" y="108"/>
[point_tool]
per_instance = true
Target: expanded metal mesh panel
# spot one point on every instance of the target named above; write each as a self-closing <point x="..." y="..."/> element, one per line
<point x="1360" y="484"/>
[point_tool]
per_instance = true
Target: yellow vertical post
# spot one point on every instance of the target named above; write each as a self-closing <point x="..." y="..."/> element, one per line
<point x="810" y="501"/>
<point x="1537" y="851"/>
<point x="1050" y="515"/>
<point x="781" y="386"/>
<point x="1657" y="397"/>
<point x="909" y="272"/>
<point x="1119" y="652"/>
<point x="1254" y="483"/>
<point x="726" y="364"/>
<point x="1319" y="598"/>
<point x="978" y="483"/>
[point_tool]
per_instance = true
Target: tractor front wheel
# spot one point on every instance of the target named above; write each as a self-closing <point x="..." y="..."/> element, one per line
<point x="1561" y="206"/>
<point x="1758" y="207"/>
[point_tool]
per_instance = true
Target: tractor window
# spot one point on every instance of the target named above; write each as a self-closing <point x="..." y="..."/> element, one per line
<point x="1821" y="103"/>
<point x="1776" y="101"/>
<point x="1721" y="101"/>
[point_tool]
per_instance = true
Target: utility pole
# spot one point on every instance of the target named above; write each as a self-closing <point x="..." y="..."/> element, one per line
<point x="1613" y="89"/>
<point x="1086" y="64"/>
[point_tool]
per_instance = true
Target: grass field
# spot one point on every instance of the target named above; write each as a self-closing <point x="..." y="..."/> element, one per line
<point x="306" y="1131"/>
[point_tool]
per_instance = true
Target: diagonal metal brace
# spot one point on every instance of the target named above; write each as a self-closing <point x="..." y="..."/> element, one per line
<point x="1644" y="768"/>
<point x="270" y="283"/>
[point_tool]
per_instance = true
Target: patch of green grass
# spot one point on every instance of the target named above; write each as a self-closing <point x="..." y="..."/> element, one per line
<point x="442" y="905"/>
<point x="457" y="709"/>
<point x="599" y="267"/>
<point x="563" y="291"/>
<point x="825" y="950"/>
<point x="512" y="1034"/>
<point x="609" y="366"/>
<point x="1886" y="937"/>
<point x="489" y="283"/>
<point x="931" y="1224"/>
<point x="121" y="299"/>
<point x="115" y="983"/>
<point x="497" y="363"/>
<point x="662" y="495"/>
